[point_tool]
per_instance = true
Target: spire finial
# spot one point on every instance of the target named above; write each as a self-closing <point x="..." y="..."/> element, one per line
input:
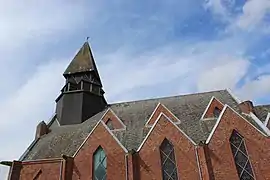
<point x="87" y="38"/>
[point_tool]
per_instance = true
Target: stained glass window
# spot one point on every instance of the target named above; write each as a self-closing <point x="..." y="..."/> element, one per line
<point x="99" y="165"/>
<point x="241" y="158"/>
<point x="169" y="168"/>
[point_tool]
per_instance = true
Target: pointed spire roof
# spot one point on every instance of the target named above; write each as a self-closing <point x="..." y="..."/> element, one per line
<point x="82" y="62"/>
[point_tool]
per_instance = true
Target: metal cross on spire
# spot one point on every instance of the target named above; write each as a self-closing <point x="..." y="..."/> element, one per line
<point x="87" y="38"/>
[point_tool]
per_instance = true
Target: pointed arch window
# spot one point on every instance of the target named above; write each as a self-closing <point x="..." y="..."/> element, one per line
<point x="168" y="164"/>
<point x="99" y="165"/>
<point x="241" y="158"/>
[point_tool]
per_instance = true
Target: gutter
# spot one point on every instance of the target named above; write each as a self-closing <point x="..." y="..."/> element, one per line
<point x="6" y="163"/>
<point x="28" y="149"/>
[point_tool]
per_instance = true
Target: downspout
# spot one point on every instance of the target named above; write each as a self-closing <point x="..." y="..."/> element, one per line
<point x="126" y="162"/>
<point x="198" y="162"/>
<point x="61" y="170"/>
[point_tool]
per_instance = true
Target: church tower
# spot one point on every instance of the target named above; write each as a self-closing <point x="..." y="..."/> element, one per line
<point x="82" y="95"/>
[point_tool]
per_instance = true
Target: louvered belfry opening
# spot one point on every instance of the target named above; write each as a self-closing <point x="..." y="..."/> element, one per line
<point x="82" y="95"/>
<point x="168" y="164"/>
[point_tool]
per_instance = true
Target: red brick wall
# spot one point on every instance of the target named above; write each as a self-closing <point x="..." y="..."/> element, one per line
<point x="110" y="115"/>
<point x="116" y="168"/>
<point x="50" y="170"/>
<point x="161" y="109"/>
<point x="149" y="155"/>
<point x="215" y="159"/>
<point x="210" y="111"/>
<point x="220" y="151"/>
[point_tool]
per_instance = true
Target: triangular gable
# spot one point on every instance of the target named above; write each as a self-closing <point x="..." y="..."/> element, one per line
<point x="213" y="106"/>
<point x="160" y="108"/>
<point x="226" y="107"/>
<point x="112" y="121"/>
<point x="160" y="117"/>
<point x="101" y="123"/>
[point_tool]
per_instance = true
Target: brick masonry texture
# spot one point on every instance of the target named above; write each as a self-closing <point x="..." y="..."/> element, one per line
<point x="221" y="155"/>
<point x="215" y="103"/>
<point x="204" y="161"/>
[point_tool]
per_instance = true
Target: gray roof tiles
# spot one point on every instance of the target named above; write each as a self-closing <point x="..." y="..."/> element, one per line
<point x="187" y="108"/>
<point x="261" y="111"/>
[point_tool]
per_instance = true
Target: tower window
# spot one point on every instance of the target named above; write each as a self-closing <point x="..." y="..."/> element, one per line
<point x="99" y="165"/>
<point x="216" y="112"/>
<point x="168" y="164"/>
<point x="241" y="157"/>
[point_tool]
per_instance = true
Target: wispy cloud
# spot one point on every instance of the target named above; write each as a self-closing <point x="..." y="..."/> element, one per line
<point x="145" y="47"/>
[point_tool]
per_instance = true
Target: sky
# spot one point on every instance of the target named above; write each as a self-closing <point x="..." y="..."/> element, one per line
<point x="143" y="49"/>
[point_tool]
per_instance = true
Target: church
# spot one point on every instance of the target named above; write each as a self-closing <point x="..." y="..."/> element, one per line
<point x="202" y="136"/>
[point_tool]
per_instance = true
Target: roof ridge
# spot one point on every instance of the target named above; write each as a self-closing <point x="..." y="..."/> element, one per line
<point x="262" y="105"/>
<point x="166" y="97"/>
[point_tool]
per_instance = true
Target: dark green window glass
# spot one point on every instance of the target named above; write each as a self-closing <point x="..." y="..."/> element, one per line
<point x="99" y="165"/>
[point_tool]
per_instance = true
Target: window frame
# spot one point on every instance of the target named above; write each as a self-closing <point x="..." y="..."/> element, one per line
<point x="93" y="164"/>
<point x="246" y="154"/>
<point x="162" y="153"/>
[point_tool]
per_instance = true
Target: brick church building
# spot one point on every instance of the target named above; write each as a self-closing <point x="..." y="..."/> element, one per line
<point x="202" y="136"/>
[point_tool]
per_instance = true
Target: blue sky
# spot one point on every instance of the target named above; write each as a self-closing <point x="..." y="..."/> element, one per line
<point x="142" y="49"/>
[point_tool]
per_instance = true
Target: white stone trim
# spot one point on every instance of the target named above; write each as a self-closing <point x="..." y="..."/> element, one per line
<point x="109" y="109"/>
<point x="220" y="117"/>
<point x="159" y="104"/>
<point x="260" y="123"/>
<point x="162" y="114"/>
<point x="216" y="125"/>
<point x="104" y="125"/>
<point x="119" y="143"/>
<point x="267" y="119"/>
<point x="233" y="96"/>
<point x="152" y="115"/>
<point x="208" y="106"/>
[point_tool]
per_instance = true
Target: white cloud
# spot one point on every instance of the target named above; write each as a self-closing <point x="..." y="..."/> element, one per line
<point x="224" y="75"/>
<point x="256" y="88"/>
<point x="188" y="65"/>
<point x="36" y="20"/>
<point x="254" y="12"/>
<point x="220" y="8"/>
<point x="250" y="18"/>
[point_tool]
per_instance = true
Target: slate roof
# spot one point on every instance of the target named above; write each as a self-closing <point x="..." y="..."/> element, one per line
<point x="261" y="111"/>
<point x="188" y="108"/>
<point x="82" y="62"/>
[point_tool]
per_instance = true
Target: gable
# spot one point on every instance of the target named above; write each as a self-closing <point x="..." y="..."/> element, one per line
<point x="162" y="123"/>
<point x="233" y="121"/>
<point x="134" y="115"/>
<point x="213" y="106"/>
<point x="156" y="113"/>
<point x="112" y="121"/>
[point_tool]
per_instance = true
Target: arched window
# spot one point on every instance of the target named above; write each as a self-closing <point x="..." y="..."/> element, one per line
<point x="169" y="168"/>
<point x="99" y="165"/>
<point x="241" y="158"/>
